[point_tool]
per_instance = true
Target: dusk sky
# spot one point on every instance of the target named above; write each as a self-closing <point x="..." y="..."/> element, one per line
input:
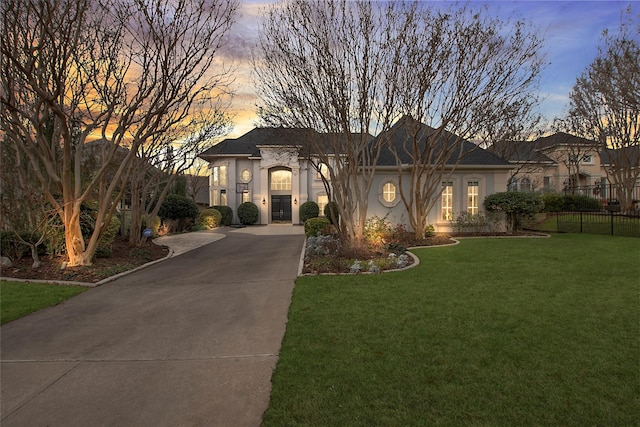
<point x="571" y="31"/>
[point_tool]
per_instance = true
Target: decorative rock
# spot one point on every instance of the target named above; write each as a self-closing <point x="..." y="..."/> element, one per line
<point x="5" y="262"/>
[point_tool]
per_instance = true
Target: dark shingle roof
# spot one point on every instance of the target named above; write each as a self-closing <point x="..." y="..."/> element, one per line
<point x="247" y="144"/>
<point x="561" y="138"/>
<point x="470" y="154"/>
<point x="519" y="152"/>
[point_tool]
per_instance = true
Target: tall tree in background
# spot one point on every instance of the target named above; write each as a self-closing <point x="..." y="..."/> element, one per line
<point x="325" y="65"/>
<point x="605" y="106"/>
<point x="123" y="72"/>
<point x="463" y="76"/>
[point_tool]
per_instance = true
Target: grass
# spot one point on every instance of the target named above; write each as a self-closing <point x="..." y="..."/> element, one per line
<point x="18" y="299"/>
<point x="491" y="332"/>
<point x="591" y="223"/>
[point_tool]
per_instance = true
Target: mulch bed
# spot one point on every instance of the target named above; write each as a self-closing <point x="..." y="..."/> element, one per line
<point x="123" y="258"/>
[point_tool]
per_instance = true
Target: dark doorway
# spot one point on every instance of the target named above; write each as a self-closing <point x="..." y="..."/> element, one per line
<point x="280" y="208"/>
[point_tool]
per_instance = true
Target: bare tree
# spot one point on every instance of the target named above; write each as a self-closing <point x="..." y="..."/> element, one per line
<point x="463" y="77"/>
<point x="605" y="106"/>
<point x="121" y="71"/>
<point x="325" y="66"/>
<point x="162" y="159"/>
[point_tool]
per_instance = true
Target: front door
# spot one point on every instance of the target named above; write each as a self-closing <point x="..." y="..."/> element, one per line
<point x="280" y="208"/>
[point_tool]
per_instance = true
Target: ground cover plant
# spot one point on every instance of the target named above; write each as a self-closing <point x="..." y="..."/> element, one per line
<point x="488" y="332"/>
<point x="19" y="299"/>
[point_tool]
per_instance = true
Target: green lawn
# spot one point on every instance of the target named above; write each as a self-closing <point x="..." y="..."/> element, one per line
<point x="18" y="299"/>
<point x="591" y="223"/>
<point x="491" y="332"/>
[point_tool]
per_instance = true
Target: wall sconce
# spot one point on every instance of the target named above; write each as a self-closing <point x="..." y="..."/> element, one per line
<point x="264" y="202"/>
<point x="295" y="201"/>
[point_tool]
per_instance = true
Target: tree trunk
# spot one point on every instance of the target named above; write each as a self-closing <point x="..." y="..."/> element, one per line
<point x="74" y="241"/>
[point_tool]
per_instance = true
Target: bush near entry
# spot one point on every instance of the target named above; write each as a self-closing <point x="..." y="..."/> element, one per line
<point x="309" y="210"/>
<point x="314" y="226"/>
<point x="181" y="212"/>
<point x="248" y="213"/>
<point x="327" y="212"/>
<point x="210" y="218"/>
<point x="227" y="214"/>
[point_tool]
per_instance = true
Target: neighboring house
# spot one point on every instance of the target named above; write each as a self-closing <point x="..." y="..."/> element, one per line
<point x="266" y="166"/>
<point x="553" y="163"/>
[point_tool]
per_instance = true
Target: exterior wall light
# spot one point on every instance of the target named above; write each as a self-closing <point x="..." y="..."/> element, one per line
<point x="264" y="202"/>
<point x="295" y="201"/>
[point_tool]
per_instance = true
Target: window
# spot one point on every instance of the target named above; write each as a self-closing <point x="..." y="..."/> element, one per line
<point x="323" y="200"/>
<point x="547" y="182"/>
<point x="215" y="200"/>
<point x="246" y="196"/>
<point x="219" y="176"/>
<point x="389" y="192"/>
<point x="472" y="197"/>
<point x="223" y="197"/>
<point x="513" y="185"/>
<point x="245" y="175"/>
<point x="281" y="180"/>
<point x="525" y="184"/>
<point x="323" y="171"/>
<point x="447" y="201"/>
<point x="587" y="159"/>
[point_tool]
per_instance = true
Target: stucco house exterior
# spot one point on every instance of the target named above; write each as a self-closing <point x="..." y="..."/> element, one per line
<point x="553" y="163"/>
<point x="267" y="166"/>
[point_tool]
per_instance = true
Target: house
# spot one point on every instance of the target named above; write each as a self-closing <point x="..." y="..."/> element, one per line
<point x="553" y="163"/>
<point x="268" y="166"/>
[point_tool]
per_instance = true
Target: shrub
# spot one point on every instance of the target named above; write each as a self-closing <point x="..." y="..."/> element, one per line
<point x="327" y="212"/>
<point x="581" y="203"/>
<point x="553" y="202"/>
<point x="179" y="212"/>
<point x="377" y="231"/>
<point x="210" y="218"/>
<point x="11" y="246"/>
<point x="514" y="204"/>
<point x="227" y="214"/>
<point x="105" y="246"/>
<point x="309" y="210"/>
<point x="248" y="213"/>
<point x="470" y="223"/>
<point x="316" y="226"/>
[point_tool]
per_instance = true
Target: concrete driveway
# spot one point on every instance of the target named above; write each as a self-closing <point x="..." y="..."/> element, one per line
<point x="191" y="341"/>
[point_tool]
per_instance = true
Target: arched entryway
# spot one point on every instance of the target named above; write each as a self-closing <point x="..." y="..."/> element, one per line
<point x="280" y="195"/>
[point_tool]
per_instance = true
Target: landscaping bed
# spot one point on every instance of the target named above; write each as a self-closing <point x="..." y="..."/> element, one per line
<point x="123" y="258"/>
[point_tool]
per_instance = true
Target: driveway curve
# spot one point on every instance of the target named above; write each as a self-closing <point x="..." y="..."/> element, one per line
<point x="191" y="341"/>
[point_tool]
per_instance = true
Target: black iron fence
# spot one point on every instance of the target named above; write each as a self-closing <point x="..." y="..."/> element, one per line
<point x="596" y="209"/>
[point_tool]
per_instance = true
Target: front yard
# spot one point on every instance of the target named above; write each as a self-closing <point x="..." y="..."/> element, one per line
<point x="488" y="332"/>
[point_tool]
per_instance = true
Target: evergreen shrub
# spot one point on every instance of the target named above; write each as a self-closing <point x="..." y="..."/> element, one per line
<point x="315" y="226"/>
<point x="309" y="210"/>
<point x="327" y="212"/>
<point x="248" y="213"/>
<point x="210" y="218"/>
<point x="227" y="214"/>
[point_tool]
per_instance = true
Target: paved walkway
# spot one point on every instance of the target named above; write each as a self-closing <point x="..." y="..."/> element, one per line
<point x="191" y="341"/>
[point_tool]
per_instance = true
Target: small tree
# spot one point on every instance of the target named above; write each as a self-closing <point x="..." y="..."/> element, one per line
<point x="514" y="205"/>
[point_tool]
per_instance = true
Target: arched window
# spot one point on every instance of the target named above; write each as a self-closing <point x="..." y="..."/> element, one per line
<point x="280" y="180"/>
<point x="525" y="184"/>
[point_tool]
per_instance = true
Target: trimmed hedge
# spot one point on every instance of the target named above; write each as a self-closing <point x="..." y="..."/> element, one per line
<point x="248" y="213"/>
<point x="309" y="210"/>
<point x="210" y="218"/>
<point x="227" y="214"/>
<point x="314" y="226"/>
<point x="514" y="204"/>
